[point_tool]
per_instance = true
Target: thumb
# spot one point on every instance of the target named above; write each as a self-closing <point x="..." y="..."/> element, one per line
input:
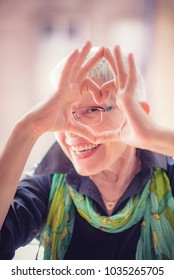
<point x="96" y="137"/>
<point x="83" y="131"/>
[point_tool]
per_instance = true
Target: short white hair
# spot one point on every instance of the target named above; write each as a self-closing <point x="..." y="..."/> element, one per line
<point x="100" y="71"/>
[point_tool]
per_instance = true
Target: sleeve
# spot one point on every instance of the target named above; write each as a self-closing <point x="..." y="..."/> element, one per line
<point x="26" y="214"/>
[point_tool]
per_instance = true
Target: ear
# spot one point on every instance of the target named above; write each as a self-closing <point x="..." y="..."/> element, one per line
<point x="145" y="106"/>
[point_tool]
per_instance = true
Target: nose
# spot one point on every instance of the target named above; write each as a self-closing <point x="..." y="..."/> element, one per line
<point x="71" y="135"/>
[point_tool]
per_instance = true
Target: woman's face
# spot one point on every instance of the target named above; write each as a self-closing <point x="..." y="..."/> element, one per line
<point x="87" y="158"/>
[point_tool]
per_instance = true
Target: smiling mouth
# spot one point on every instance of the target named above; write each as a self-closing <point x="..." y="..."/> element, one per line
<point x="82" y="149"/>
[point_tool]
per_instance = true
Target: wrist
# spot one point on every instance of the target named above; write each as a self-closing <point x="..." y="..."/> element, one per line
<point x="24" y="128"/>
<point x="162" y="141"/>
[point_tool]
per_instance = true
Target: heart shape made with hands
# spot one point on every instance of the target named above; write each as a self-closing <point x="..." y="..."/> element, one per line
<point x="99" y="91"/>
<point x="136" y="125"/>
<point x="123" y="88"/>
<point x="104" y="94"/>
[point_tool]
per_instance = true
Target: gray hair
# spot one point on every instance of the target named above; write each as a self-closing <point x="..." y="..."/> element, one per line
<point x="100" y="71"/>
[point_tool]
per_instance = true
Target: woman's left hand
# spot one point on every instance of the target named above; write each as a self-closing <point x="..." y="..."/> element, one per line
<point x="138" y="128"/>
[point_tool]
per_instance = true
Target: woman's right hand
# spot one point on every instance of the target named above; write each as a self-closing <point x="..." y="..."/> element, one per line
<point x="55" y="113"/>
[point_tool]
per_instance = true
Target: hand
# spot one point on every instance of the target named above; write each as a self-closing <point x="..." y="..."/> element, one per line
<point x="137" y="128"/>
<point x="55" y="113"/>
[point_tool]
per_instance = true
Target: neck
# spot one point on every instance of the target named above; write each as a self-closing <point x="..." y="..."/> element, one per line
<point x="118" y="176"/>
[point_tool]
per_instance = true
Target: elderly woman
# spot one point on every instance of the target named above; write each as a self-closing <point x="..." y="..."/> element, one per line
<point x="105" y="190"/>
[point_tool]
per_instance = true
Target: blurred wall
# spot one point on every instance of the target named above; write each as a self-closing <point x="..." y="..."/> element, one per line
<point x="34" y="35"/>
<point x="160" y="74"/>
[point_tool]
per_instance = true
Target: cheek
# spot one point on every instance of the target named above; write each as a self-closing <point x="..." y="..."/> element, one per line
<point x="60" y="137"/>
<point x="111" y="121"/>
<point x="115" y="120"/>
<point x="114" y="150"/>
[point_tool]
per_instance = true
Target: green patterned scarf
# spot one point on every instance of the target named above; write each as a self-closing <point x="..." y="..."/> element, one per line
<point x="155" y="205"/>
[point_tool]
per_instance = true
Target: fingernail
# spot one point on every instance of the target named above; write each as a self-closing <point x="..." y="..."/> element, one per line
<point x="106" y="50"/>
<point x="87" y="43"/>
<point x="118" y="47"/>
<point x="101" y="49"/>
<point x="75" y="51"/>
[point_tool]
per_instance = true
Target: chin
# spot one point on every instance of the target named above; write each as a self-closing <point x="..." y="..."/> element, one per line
<point x="84" y="171"/>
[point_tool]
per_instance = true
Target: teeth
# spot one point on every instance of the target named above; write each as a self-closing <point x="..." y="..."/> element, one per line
<point x="83" y="148"/>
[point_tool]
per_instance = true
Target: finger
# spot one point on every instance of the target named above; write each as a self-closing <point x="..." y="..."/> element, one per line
<point x="83" y="131"/>
<point x="79" y="61"/>
<point x="121" y="70"/>
<point x="132" y="76"/>
<point x="67" y="68"/>
<point x="92" y="136"/>
<point x="109" y="57"/>
<point x="97" y="138"/>
<point x="89" y="64"/>
<point x="107" y="136"/>
<point x="109" y="86"/>
<point x="89" y="86"/>
<point x="83" y="53"/>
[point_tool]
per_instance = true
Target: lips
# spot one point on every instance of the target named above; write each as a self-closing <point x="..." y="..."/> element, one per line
<point x="80" y="149"/>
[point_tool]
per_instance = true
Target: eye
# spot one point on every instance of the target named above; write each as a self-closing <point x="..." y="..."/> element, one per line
<point x="92" y="110"/>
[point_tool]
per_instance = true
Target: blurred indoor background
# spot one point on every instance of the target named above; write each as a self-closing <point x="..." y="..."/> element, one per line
<point x="35" y="34"/>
